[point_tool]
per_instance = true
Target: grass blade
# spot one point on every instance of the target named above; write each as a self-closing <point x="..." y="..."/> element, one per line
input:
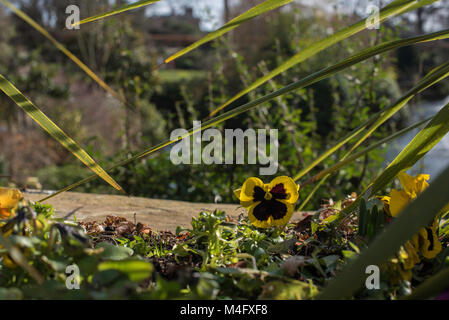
<point x="63" y="49"/>
<point x="431" y="287"/>
<point x="361" y="153"/>
<point x="415" y="216"/>
<point x="347" y="158"/>
<point x="313" y="78"/>
<point x="266" y="6"/>
<point x="128" y="7"/>
<point x="393" y="9"/>
<point x="422" y="143"/>
<point x="381" y="117"/>
<point x="19" y="258"/>
<point x="11" y="91"/>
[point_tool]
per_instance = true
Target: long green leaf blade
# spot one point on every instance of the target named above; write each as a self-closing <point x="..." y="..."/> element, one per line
<point x="393" y="9"/>
<point x="320" y="75"/>
<point x="266" y="6"/>
<point x="128" y="7"/>
<point x="63" y="49"/>
<point x="361" y="133"/>
<point x="422" y="143"/>
<point x="37" y="115"/>
<point x="363" y="152"/>
<point x="415" y="216"/>
<point x="431" y="287"/>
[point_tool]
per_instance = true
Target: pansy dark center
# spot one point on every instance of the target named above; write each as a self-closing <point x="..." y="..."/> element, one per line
<point x="269" y="206"/>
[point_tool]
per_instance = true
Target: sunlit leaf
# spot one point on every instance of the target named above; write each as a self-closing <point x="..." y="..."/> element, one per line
<point x="136" y="270"/>
<point x="422" y="143"/>
<point x="128" y="7"/>
<point x="431" y="287"/>
<point x="415" y="216"/>
<point x="266" y="6"/>
<point x="64" y="50"/>
<point x="311" y="79"/>
<point x="34" y="112"/>
<point x="363" y="152"/>
<point x="393" y="9"/>
<point x="348" y="158"/>
<point x="361" y="133"/>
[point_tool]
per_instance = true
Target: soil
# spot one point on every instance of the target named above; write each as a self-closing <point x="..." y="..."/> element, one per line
<point x="160" y="215"/>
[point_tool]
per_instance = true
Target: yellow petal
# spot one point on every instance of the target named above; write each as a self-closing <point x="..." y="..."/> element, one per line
<point x="398" y="201"/>
<point x="247" y="191"/>
<point x="386" y="201"/>
<point x="291" y="188"/>
<point x="244" y="204"/>
<point x="407" y="182"/>
<point x="421" y="182"/>
<point x="9" y="198"/>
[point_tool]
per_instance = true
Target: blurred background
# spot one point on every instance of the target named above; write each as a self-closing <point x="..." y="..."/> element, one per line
<point x="124" y="50"/>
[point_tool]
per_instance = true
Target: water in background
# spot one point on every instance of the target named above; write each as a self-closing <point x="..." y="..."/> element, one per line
<point x="437" y="159"/>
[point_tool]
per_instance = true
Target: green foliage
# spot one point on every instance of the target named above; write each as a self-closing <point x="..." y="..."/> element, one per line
<point x="226" y="258"/>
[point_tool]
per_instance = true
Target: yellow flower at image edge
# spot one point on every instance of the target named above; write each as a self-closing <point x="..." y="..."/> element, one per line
<point x="398" y="199"/>
<point x="426" y="240"/>
<point x="268" y="204"/>
<point x="9" y="199"/>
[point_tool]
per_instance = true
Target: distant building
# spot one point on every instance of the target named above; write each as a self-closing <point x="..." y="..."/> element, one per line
<point x="174" y="30"/>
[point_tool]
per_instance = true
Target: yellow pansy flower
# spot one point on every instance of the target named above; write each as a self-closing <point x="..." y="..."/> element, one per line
<point x="9" y="199"/>
<point x="268" y="204"/>
<point x="398" y="199"/>
<point x="426" y="240"/>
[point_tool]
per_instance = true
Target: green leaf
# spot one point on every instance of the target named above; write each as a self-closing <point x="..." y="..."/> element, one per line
<point x="363" y="219"/>
<point x="136" y="270"/>
<point x="395" y="8"/>
<point x="415" y="216"/>
<point x="63" y="49"/>
<point x="19" y="258"/>
<point x="111" y="252"/>
<point x="422" y="143"/>
<point x="431" y="287"/>
<point x="265" y="6"/>
<point x="363" y="152"/>
<point x="128" y="7"/>
<point x="292" y="290"/>
<point x="311" y="79"/>
<point x="34" y="112"/>
<point x="361" y="133"/>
